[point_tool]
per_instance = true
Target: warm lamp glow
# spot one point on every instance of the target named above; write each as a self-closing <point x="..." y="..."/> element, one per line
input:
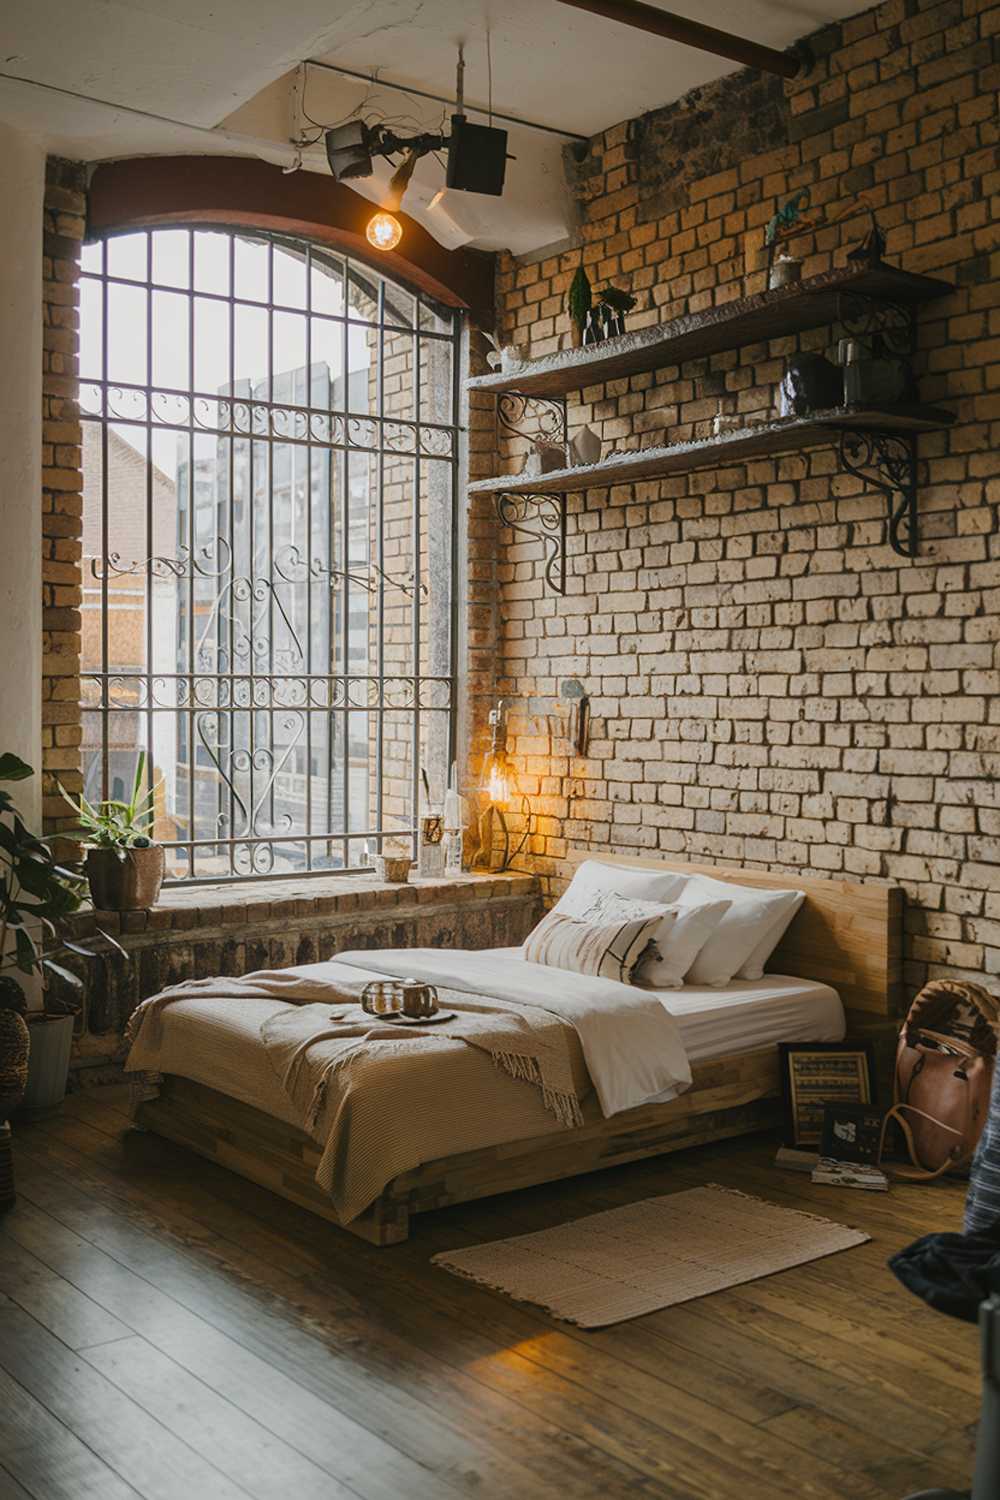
<point x="384" y="230"/>
<point x="497" y="781"/>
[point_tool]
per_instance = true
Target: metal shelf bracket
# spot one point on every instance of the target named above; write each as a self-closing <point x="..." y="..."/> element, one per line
<point x="887" y="460"/>
<point x="543" y="519"/>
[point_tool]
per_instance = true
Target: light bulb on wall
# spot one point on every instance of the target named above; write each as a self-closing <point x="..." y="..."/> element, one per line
<point x="384" y="231"/>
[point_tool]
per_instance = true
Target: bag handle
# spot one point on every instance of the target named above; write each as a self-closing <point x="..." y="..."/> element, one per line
<point x="917" y="1173"/>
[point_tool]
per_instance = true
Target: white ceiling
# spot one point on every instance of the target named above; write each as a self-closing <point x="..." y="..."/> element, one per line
<point x="223" y="76"/>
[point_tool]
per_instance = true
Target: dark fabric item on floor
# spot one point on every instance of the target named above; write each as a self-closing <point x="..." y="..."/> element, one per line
<point x="982" y="1205"/>
<point x="952" y="1272"/>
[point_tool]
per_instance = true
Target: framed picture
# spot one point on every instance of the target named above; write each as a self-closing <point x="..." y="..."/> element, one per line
<point x="815" y="1074"/>
<point x="852" y="1132"/>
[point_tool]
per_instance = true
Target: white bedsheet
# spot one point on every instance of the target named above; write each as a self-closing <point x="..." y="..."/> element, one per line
<point x="749" y="1013"/>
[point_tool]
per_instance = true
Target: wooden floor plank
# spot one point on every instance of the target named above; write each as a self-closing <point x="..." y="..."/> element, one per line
<point x="372" y="1370"/>
<point x="52" y="1301"/>
<point x="263" y="1465"/>
<point x="44" y="1458"/>
<point x="134" y="1445"/>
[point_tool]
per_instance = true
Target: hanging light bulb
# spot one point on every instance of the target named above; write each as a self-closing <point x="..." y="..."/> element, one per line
<point x="384" y="231"/>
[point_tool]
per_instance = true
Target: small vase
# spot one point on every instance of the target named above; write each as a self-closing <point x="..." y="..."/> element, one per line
<point x="125" y="879"/>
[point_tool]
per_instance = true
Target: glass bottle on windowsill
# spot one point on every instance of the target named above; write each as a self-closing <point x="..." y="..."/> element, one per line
<point x="430" y="842"/>
<point x="454" y="819"/>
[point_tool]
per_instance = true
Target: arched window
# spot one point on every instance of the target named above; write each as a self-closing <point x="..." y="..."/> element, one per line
<point x="270" y="462"/>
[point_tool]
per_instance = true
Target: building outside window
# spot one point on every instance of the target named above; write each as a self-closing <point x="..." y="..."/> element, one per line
<point x="270" y="466"/>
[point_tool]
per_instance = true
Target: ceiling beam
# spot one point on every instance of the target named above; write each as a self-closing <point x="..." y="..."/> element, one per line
<point x="693" y="34"/>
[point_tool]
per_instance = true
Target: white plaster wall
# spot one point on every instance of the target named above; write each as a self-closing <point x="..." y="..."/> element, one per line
<point x="22" y="184"/>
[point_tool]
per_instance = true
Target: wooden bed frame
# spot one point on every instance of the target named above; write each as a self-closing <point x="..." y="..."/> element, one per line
<point x="847" y="934"/>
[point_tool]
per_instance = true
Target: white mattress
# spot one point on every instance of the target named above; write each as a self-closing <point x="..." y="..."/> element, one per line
<point x="754" y="1013"/>
<point x="751" y="1013"/>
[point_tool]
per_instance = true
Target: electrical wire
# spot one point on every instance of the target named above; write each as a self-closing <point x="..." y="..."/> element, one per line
<point x="489" y="73"/>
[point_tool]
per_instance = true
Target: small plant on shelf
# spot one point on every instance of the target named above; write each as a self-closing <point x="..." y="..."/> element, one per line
<point x="124" y="866"/>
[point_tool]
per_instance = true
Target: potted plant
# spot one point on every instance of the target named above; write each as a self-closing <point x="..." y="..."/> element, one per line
<point x="579" y="299"/>
<point x="37" y="898"/>
<point x="124" y="867"/>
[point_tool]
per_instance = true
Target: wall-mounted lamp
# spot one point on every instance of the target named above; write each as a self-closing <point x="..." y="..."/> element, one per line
<point x="496" y="784"/>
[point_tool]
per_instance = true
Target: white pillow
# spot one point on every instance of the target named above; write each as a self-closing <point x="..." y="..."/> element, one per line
<point x="593" y="878"/>
<point x="678" y="946"/>
<point x="753" y="968"/>
<point x="610" y="939"/>
<point x="743" y="930"/>
<point x="675" y="941"/>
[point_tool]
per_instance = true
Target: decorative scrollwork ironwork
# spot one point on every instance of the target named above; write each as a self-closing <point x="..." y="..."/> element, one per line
<point x="871" y="318"/>
<point x="888" y="461"/>
<point x="533" y="417"/>
<point x="543" y="518"/>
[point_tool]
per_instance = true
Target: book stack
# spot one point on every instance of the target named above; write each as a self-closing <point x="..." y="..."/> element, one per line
<point x="851" y="1174"/>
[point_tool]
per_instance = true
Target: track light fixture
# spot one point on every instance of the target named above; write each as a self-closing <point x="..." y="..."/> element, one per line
<point x="477" y="161"/>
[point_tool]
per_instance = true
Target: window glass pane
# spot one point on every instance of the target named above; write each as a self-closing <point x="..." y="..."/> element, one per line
<point x="211" y="263"/>
<point x="289" y="277"/>
<point x="171" y="257"/>
<point x="127" y="256"/>
<point x="327" y="360"/>
<point x="290" y="355"/>
<point x="326" y="287"/>
<point x="251" y="353"/>
<point x="91" y="327"/>
<point x="362" y="294"/>
<point x="92" y="256"/>
<point x="362" y="368"/>
<point x="127" y="353"/>
<point x="251" y="269"/>
<point x="211" y="346"/>
<point x="171" y="344"/>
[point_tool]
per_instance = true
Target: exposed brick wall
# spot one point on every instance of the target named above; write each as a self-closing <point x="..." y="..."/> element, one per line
<point x="772" y="685"/>
<point x="62" y="487"/>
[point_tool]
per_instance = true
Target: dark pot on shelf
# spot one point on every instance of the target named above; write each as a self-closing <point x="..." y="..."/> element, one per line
<point x="125" y="879"/>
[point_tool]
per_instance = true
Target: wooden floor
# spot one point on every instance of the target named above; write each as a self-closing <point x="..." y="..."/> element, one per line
<point x="170" y="1331"/>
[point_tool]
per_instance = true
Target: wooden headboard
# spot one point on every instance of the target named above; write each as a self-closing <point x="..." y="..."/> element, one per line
<point x="847" y="933"/>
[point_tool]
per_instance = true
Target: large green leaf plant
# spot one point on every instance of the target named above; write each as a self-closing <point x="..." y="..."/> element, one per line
<point x="37" y="898"/>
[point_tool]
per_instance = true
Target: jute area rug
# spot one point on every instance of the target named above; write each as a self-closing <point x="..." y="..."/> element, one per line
<point x="653" y="1254"/>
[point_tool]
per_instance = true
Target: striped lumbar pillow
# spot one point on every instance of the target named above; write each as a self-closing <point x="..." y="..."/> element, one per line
<point x="611" y="940"/>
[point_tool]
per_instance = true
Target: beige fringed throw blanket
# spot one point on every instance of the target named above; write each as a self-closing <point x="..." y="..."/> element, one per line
<point x="309" y="1044"/>
<point x="382" y="1099"/>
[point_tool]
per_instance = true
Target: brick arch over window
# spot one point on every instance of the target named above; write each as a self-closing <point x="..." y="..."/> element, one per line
<point x="242" y="192"/>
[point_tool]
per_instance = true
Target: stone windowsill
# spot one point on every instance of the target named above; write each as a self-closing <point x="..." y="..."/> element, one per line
<point x="238" y="904"/>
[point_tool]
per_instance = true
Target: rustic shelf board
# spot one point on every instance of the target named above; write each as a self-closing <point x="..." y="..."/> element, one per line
<point x="747" y="320"/>
<point x="785" y="435"/>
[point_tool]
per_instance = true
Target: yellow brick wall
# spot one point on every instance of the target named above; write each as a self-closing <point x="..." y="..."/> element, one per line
<point x="771" y="685"/>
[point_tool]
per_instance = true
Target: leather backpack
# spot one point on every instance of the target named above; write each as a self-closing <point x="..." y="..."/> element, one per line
<point x="944" y="1075"/>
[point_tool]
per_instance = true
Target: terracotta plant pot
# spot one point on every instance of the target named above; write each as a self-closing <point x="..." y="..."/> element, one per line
<point x="125" y="879"/>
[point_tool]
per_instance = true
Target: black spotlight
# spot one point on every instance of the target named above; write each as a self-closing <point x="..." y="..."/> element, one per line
<point x="477" y="157"/>
<point x="349" y="150"/>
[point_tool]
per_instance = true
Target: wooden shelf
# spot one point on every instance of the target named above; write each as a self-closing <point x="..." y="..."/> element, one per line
<point x="767" y="315"/>
<point x="786" y="435"/>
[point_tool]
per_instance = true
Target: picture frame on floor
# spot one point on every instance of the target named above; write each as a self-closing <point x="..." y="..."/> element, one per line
<point x="852" y="1133"/>
<point x="815" y="1074"/>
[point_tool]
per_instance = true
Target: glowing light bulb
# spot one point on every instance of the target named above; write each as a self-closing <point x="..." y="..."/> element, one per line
<point x="498" y="783"/>
<point x="384" y="230"/>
